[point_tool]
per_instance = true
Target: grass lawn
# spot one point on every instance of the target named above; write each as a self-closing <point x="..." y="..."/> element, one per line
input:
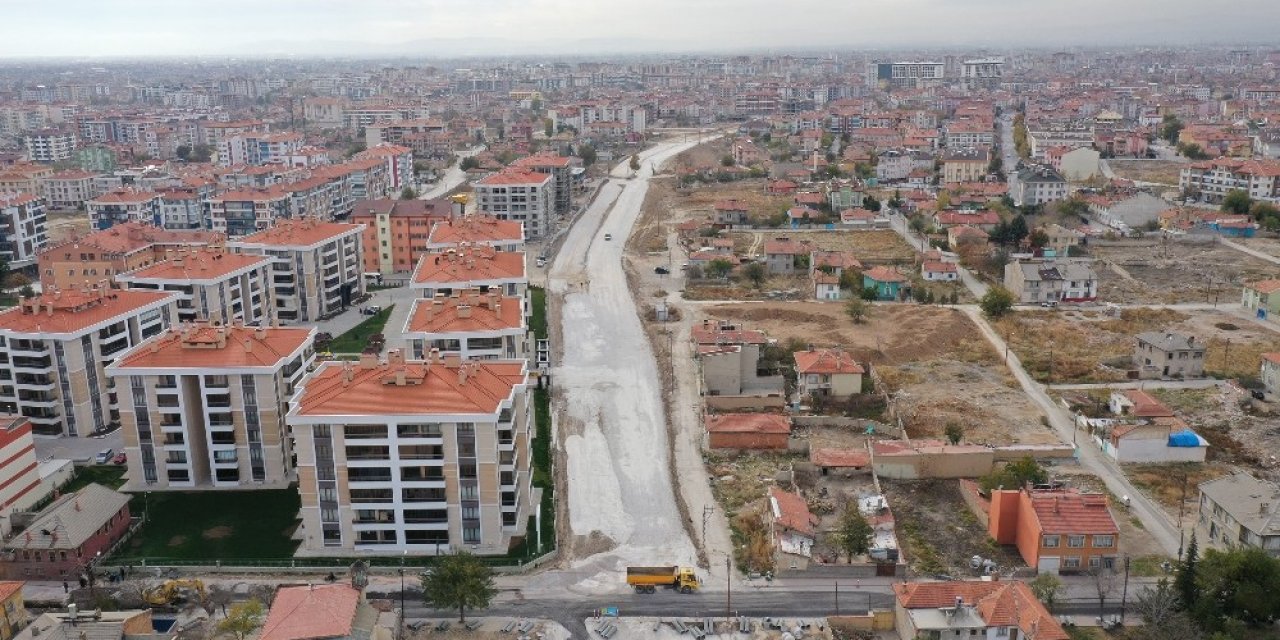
<point x="538" y="312"/>
<point x="107" y="475"/>
<point x="215" y="524"/>
<point x="354" y="341"/>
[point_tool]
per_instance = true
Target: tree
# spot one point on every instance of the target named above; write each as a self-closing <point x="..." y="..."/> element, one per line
<point x="719" y="268"/>
<point x="27" y="292"/>
<point x="853" y="532"/>
<point x="408" y="194"/>
<point x="459" y="581"/>
<point x="588" y="154"/>
<point x="634" y="163"/>
<point x="1238" y="585"/>
<point x="1237" y="201"/>
<point x="243" y="619"/>
<point x="871" y="204"/>
<point x="201" y="153"/>
<point x="1038" y="238"/>
<point x="869" y="294"/>
<point x="1104" y="583"/>
<point x="895" y="202"/>
<point x="1015" y="475"/>
<point x="1192" y="151"/>
<point x="1170" y="128"/>
<point x="1263" y="210"/>
<point x="851" y="280"/>
<point x="1157" y="604"/>
<point x="756" y="273"/>
<point x="4" y="275"/>
<point x="857" y="309"/>
<point x="468" y="163"/>
<point x="997" y="302"/>
<point x="954" y="432"/>
<point x="219" y="597"/>
<point x="726" y="160"/>
<point x="183" y="152"/>
<point x="1046" y="587"/>
<point x="548" y="128"/>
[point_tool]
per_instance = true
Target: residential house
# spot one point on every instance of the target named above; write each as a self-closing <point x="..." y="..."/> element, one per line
<point x="1059" y="531"/>
<point x="1134" y="213"/>
<point x="131" y="624"/>
<point x="206" y="406"/>
<point x="972" y="608"/>
<point x="763" y="431"/>
<point x="732" y="213"/>
<point x="316" y="267"/>
<point x="859" y="218"/>
<point x="1037" y="185"/>
<point x="212" y="285"/>
<point x="66" y="534"/>
<point x="58" y="345"/>
<point x="22" y="486"/>
<point x="321" y="612"/>
<point x="469" y="324"/>
<point x="845" y="197"/>
<point x="1270" y="375"/>
<point x="983" y="219"/>
<point x="1061" y="239"/>
<point x="1262" y="298"/>
<point x="889" y="283"/>
<point x="826" y="286"/>
<point x="414" y="456"/>
<point x="730" y="359"/>
<point x="1238" y="511"/>
<point x="13" y="612"/>
<point x="793" y="529"/>
<point x="964" y="234"/>
<point x="827" y="372"/>
<point x="786" y="256"/>
<point x="1052" y="281"/>
<point x="1168" y="355"/>
<point x="965" y="165"/>
<point x="939" y="271"/>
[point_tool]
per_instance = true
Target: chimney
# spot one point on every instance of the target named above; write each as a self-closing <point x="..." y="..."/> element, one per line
<point x="248" y="345"/>
<point x="368" y="361"/>
<point x="464" y="311"/>
<point x="1263" y="508"/>
<point x="260" y="333"/>
<point x="400" y="379"/>
<point x="452" y="360"/>
<point x="959" y="602"/>
<point x="462" y="375"/>
<point x="1055" y="505"/>
<point x="434" y="356"/>
<point x="395" y="356"/>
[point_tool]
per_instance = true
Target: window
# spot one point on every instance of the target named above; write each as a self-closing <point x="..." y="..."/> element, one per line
<point x="1075" y="542"/>
<point x="1104" y="542"/>
<point x="1095" y="562"/>
<point x="1050" y="542"/>
<point x="1071" y="562"/>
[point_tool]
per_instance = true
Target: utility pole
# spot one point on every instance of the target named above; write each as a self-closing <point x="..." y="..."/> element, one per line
<point x="707" y="510"/>
<point x="1182" y="506"/>
<point x="837" y="583"/>
<point x="1124" y="595"/>
<point x="728" y="586"/>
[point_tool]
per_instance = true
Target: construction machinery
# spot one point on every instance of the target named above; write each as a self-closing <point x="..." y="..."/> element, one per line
<point x="178" y="591"/>
<point x="648" y="579"/>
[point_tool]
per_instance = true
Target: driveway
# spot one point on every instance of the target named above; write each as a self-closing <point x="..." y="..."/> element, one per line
<point x="77" y="449"/>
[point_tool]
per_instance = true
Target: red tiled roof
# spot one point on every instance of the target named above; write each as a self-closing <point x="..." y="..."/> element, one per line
<point x="9" y="587"/>
<point x="133" y="236"/>
<point x="1000" y="603"/>
<point x="787" y="246"/>
<point x="431" y="388"/>
<point x="933" y="266"/>
<point x="125" y="196"/>
<point x="884" y="274"/>
<point x="206" y="346"/>
<point x="792" y="511"/>
<point x="74" y="311"/>
<point x="514" y="176"/>
<point x="200" y="265"/>
<point x="1070" y="512"/>
<point x="1265" y="286"/>
<point x="480" y="229"/>
<point x="839" y="458"/>
<point x="748" y="423"/>
<point x="470" y="264"/>
<point x="306" y="613"/>
<point x="1145" y="405"/>
<point x="464" y="313"/>
<point x="828" y="361"/>
<point x="1272" y="357"/>
<point x="298" y="233"/>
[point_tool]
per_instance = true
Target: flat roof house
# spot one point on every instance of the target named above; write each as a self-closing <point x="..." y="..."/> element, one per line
<point x="1240" y="510"/>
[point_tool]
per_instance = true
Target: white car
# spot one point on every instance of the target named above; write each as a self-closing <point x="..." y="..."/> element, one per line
<point x="104" y="456"/>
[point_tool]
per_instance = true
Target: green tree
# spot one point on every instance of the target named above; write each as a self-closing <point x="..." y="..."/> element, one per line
<point x="726" y="160"/>
<point x="870" y="203"/>
<point x="719" y="268"/>
<point x="997" y="302"/>
<point x="851" y="280"/>
<point x="869" y="294"/>
<point x="1015" y="475"/>
<point x="459" y="581"/>
<point x="1170" y="128"/>
<point x="1046" y="587"/>
<point x="1237" y="201"/>
<point x="588" y="154"/>
<point x="183" y="152"/>
<point x="1192" y="151"/>
<point x="548" y="128"/>
<point x="853" y="532"/>
<point x="468" y="163"/>
<point x="408" y="193"/>
<point x="242" y="620"/>
<point x="954" y="432"/>
<point x="27" y="292"/>
<point x="4" y="276"/>
<point x="201" y="153"/>
<point x="895" y="202"/>
<point x="634" y="163"/>
<point x="1238" y="585"/>
<point x="1038" y="238"/>
<point x="1263" y="210"/>
<point x="857" y="309"/>
<point x="756" y="273"/>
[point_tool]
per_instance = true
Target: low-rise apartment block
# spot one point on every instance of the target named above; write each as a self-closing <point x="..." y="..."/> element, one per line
<point x="470" y="324"/>
<point x="1038" y="185"/>
<point x="54" y="349"/>
<point x="124" y="205"/>
<point x="69" y="189"/>
<point x="122" y="248"/>
<point x="316" y="266"/>
<point x="964" y="165"/>
<point x="396" y="232"/>
<point x="23" y="228"/>
<point x="1214" y="179"/>
<point x="212" y="285"/>
<point x="51" y="145"/>
<point x="418" y="456"/>
<point x="476" y="230"/>
<point x="1237" y="511"/>
<point x="522" y="196"/>
<point x="1056" y="531"/>
<point x="203" y="406"/>
<point x="483" y="268"/>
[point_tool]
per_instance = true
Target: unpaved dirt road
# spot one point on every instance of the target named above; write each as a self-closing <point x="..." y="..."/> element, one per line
<point x="613" y="427"/>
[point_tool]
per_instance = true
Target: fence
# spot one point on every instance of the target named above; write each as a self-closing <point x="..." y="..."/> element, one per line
<point x="377" y="564"/>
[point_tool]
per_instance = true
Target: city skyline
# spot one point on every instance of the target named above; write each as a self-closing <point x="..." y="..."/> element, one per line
<point x="442" y="28"/>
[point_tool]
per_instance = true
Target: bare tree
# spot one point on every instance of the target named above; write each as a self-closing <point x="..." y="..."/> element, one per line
<point x="219" y="597"/>
<point x="1104" y="584"/>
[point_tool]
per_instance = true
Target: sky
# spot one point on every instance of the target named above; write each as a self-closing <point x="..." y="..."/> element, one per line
<point x="445" y="28"/>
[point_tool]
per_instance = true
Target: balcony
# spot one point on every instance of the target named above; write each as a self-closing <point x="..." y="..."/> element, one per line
<point x="368" y="474"/>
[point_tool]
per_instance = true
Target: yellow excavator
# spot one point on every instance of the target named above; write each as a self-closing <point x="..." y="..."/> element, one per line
<point x="173" y="592"/>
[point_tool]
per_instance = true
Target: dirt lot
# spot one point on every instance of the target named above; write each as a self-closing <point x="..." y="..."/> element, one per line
<point x="982" y="398"/>
<point x="1090" y="346"/>
<point x="1238" y="432"/>
<point x="938" y="532"/>
<point x="1161" y="171"/>
<point x="64" y="224"/>
<point x="1269" y="246"/>
<point x="879" y="246"/>
<point x="1154" y="272"/>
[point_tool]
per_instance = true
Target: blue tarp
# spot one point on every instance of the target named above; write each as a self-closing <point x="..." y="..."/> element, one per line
<point x="1184" y="438"/>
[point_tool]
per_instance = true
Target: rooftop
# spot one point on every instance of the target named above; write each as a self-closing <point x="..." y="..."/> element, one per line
<point x="1254" y="503"/>
<point x="311" y="611"/>
<point x="300" y="233"/>
<point x="134" y="236"/>
<point x="514" y="176"/>
<point x="748" y="423"/>
<point x="197" y="266"/>
<point x="74" y="311"/>
<point x="206" y="346"/>
<point x="465" y="312"/>
<point x="826" y="361"/>
<point x="791" y="511"/>
<point x="1071" y="512"/>
<point x="1169" y="341"/>
<point x="71" y="520"/>
<point x="481" y="229"/>
<point x="470" y="264"/>
<point x="999" y="603"/>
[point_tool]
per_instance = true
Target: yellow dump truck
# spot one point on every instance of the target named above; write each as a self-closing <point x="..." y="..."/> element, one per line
<point x="648" y="579"/>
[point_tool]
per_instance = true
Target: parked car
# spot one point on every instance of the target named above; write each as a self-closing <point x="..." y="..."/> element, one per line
<point x="662" y="271"/>
<point x="120" y="458"/>
<point x="104" y="456"/>
<point x="608" y="236"/>
<point x="541" y="261"/>
<point x="371" y="310"/>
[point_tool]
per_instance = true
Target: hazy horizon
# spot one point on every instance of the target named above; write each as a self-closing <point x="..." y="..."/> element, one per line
<point x="469" y="28"/>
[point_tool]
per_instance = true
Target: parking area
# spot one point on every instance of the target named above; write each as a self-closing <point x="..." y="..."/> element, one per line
<point x="80" y="450"/>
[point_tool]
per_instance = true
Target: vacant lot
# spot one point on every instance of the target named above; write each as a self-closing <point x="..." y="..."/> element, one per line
<point x="938" y="532"/>
<point x="1237" y="433"/>
<point x="1156" y="272"/>
<point x="63" y="225"/>
<point x="879" y="246"/>
<point x="1090" y="346"/>
<point x="1269" y="246"/>
<point x="983" y="399"/>
<point x="215" y="525"/>
<point x="1161" y="171"/>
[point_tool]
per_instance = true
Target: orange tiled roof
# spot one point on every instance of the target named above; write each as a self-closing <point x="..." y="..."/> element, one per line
<point x="125" y="196"/>
<point x="1272" y="357"/>
<point x="9" y="587"/>
<point x="197" y="265"/>
<point x="479" y="229"/>
<point x="792" y="511"/>
<point x="207" y="346"/>
<point x="443" y="387"/>
<point x="1265" y="286"/>
<point x="470" y="264"/>
<point x="1071" y="512"/>
<point x="838" y="458"/>
<point x="299" y="233"/>
<point x="73" y="311"/>
<point x="829" y="361"/>
<point x="468" y="312"/>
<point x="514" y="176"/>
<point x="884" y="274"/>
<point x="129" y="237"/>
<point x="1000" y="603"/>
<point x="313" y="611"/>
<point x="748" y="423"/>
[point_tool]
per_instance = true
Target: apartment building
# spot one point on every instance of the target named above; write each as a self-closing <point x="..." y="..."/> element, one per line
<point x="964" y="165"/>
<point x="399" y="164"/>
<point x="23" y="228"/>
<point x="205" y="406"/>
<point x="256" y="147"/>
<point x="51" y="145"/>
<point x="968" y="134"/>
<point x="982" y="72"/>
<point x="124" y="205"/>
<point x="25" y="177"/>
<point x="560" y="169"/>
<point x="470" y="324"/>
<point x="54" y="348"/>
<point x="103" y="254"/>
<point x="241" y="212"/>
<point x="1035" y="281"/>
<point x="415" y="456"/>
<point x="21" y="487"/>
<point x="1038" y="185"/>
<point x="181" y="209"/>
<point x="476" y="230"/>
<point x="397" y="231"/>
<point x="522" y="196"/>
<point x="905" y="74"/>
<point x="1214" y="179"/>
<point x="211" y="284"/>
<point x="483" y="268"/>
<point x="69" y="189"/>
<point x="316" y="266"/>
<point x="1237" y="511"/>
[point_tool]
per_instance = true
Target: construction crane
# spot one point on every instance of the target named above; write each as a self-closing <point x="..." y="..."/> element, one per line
<point x="175" y="592"/>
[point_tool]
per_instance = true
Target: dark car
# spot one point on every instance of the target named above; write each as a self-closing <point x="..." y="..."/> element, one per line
<point x="120" y="458"/>
<point x="662" y="271"/>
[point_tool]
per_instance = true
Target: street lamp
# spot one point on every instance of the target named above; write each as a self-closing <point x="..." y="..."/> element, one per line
<point x="400" y="627"/>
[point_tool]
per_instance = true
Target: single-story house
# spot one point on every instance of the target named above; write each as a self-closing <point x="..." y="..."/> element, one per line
<point x="764" y="431"/>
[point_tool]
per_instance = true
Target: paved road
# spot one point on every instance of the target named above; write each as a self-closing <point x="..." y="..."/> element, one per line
<point x="899" y="223"/>
<point x="77" y="449"/>
<point x="453" y="177"/>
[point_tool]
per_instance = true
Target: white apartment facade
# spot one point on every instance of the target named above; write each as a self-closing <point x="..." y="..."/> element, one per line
<point x="51" y="145"/>
<point x="203" y="406"/>
<point x="69" y="189"/>
<point x="1214" y="179"/>
<point x="24" y="231"/>
<point x="212" y="285"/>
<point x="469" y="324"/>
<point x="522" y="196"/>
<point x="316" y="266"/>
